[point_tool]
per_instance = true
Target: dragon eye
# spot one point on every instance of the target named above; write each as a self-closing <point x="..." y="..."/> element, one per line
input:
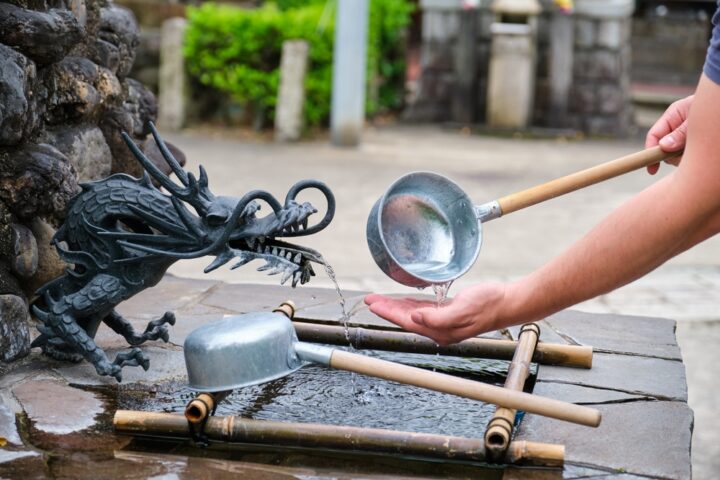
<point x="215" y="220"/>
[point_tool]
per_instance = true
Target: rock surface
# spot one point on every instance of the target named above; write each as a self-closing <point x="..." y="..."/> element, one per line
<point x="64" y="99"/>
<point x="14" y="332"/>
<point x="75" y="411"/>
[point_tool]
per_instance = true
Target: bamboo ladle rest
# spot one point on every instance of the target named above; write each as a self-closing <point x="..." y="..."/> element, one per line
<point x="254" y="348"/>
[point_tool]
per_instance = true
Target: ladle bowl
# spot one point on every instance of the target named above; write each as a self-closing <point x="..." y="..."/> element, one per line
<point x="424" y="230"/>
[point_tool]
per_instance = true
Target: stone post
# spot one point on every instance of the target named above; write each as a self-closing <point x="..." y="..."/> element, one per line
<point x="291" y="93"/>
<point x="560" y="67"/>
<point x="172" y="89"/>
<point x="349" y="60"/>
<point x="463" y="104"/>
<point x="511" y="82"/>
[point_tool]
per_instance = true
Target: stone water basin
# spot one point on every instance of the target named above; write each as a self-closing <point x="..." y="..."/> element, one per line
<point x="637" y="381"/>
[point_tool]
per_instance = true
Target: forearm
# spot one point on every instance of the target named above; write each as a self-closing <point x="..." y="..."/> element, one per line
<point x="630" y="242"/>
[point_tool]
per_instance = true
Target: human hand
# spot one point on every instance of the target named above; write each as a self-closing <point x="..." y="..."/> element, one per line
<point x="670" y="131"/>
<point x="472" y="311"/>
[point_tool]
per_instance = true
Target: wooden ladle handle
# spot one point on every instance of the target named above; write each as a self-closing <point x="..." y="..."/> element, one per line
<point x="441" y="382"/>
<point x="583" y="178"/>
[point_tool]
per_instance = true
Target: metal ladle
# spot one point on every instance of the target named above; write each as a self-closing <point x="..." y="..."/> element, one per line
<point x="425" y="230"/>
<point x="253" y="348"/>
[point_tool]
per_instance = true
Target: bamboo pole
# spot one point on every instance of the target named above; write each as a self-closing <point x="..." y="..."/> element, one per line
<point x="201" y="407"/>
<point x="500" y="427"/>
<point x="396" y="372"/>
<point x="242" y="430"/>
<point x="397" y="341"/>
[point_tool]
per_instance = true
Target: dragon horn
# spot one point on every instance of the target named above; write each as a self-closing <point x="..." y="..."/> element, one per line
<point x="168" y="156"/>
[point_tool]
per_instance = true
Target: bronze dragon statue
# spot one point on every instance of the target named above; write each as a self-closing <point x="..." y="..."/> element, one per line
<point x="121" y="234"/>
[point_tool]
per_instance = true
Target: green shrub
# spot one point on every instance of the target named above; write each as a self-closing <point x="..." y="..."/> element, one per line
<point x="237" y="51"/>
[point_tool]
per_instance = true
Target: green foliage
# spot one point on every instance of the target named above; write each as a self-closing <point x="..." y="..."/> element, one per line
<point x="237" y="51"/>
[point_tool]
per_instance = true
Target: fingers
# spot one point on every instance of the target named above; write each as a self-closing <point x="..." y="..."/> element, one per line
<point x="670" y="130"/>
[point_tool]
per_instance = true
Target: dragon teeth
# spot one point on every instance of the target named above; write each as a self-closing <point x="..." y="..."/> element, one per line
<point x="251" y="242"/>
<point x="289" y="255"/>
<point x="275" y="251"/>
<point x="297" y="258"/>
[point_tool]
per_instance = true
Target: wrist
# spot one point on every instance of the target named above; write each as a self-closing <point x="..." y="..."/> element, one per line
<point x="513" y="308"/>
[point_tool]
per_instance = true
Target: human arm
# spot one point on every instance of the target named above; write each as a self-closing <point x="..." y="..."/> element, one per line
<point x="665" y="219"/>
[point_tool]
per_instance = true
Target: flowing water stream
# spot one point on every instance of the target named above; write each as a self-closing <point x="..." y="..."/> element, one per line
<point x="343" y="308"/>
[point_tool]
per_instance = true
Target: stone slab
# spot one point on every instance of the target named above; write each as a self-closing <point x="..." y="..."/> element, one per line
<point x="8" y="431"/>
<point x="243" y="298"/>
<point x="582" y="395"/>
<point x="636" y="438"/>
<point x="172" y="293"/>
<point x="166" y="365"/>
<point x="651" y="377"/>
<point x="331" y="311"/>
<point x="547" y="334"/>
<point x="9" y="456"/>
<point x="654" y="337"/>
<point x="57" y="408"/>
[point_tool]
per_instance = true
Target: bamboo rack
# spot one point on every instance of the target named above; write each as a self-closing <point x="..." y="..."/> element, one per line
<point x="500" y="428"/>
<point x="396" y="341"/>
<point x="241" y="430"/>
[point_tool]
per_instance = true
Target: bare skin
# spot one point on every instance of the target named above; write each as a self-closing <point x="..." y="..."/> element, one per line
<point x="676" y="213"/>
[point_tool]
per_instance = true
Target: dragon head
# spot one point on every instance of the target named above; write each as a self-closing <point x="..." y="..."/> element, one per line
<point x="228" y="227"/>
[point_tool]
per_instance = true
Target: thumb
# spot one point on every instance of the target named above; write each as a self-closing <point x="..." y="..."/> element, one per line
<point x="675" y="141"/>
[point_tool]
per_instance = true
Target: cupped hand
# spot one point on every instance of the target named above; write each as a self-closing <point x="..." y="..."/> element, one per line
<point x="670" y="131"/>
<point x="472" y="311"/>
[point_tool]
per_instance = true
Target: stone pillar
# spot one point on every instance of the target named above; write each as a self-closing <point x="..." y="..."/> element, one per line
<point x="463" y="104"/>
<point x="172" y="89"/>
<point x="512" y="76"/>
<point x="349" y="60"/>
<point x="560" y="67"/>
<point x="291" y="94"/>
<point x="600" y="91"/>
<point x="511" y="82"/>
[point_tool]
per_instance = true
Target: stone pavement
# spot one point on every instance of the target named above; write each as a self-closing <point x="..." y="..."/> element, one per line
<point x="686" y="289"/>
<point x="63" y="426"/>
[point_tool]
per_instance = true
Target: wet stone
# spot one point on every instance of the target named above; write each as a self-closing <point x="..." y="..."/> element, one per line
<point x="166" y="365"/>
<point x="8" y="431"/>
<point x="37" y="180"/>
<point x="253" y="298"/>
<point x="547" y="334"/>
<point x="44" y="37"/>
<point x="637" y="438"/>
<point x="14" y="331"/>
<point x="85" y="148"/>
<point x="18" y="115"/>
<point x="57" y="408"/>
<point x="583" y="395"/>
<point x="654" y="337"/>
<point x="25" y="251"/>
<point x="118" y="38"/>
<point x="171" y="294"/>
<point x="651" y="377"/>
<point x="7" y="456"/>
<point x="79" y="89"/>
